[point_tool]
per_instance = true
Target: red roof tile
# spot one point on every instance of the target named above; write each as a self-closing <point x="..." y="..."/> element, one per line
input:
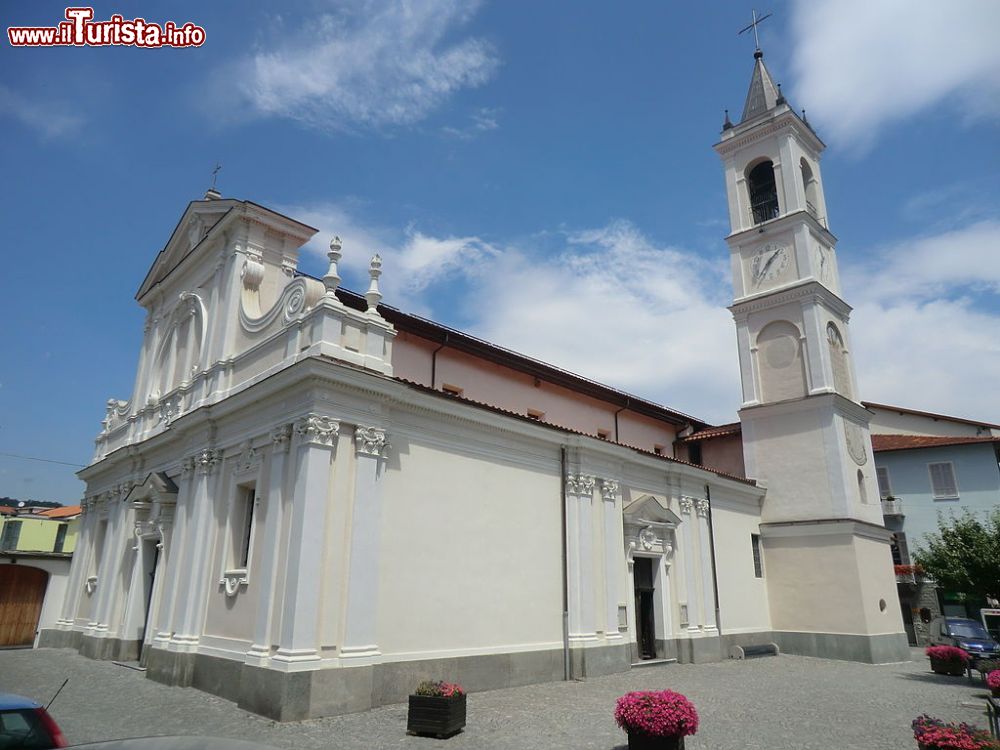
<point x="882" y="443"/>
<point x="65" y="512"/>
<point x="723" y="430"/>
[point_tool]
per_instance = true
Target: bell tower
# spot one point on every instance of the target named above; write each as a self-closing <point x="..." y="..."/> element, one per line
<point x="831" y="585"/>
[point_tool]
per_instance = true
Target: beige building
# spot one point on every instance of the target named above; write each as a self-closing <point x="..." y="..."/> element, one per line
<point x="312" y="500"/>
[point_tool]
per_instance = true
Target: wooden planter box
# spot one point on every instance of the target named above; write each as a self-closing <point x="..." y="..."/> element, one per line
<point x="441" y="717"/>
<point x="638" y="741"/>
<point x="953" y="668"/>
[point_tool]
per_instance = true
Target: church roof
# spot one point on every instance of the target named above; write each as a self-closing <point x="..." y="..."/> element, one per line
<point x="763" y="95"/>
<point x="722" y="430"/>
<point x="464" y="342"/>
<point x="929" y="414"/>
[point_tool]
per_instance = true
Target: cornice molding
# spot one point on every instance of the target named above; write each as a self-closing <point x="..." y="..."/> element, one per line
<point x="811" y="291"/>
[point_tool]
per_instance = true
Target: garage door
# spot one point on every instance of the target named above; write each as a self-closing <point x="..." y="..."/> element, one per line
<point x="22" y="590"/>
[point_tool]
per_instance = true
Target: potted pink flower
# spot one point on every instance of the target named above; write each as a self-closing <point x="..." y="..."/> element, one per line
<point x="948" y="660"/>
<point x="436" y="707"/>
<point x="656" y="720"/>
<point x="993" y="682"/>
<point x="934" y="734"/>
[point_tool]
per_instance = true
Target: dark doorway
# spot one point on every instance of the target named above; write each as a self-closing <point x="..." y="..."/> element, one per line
<point x="645" y="623"/>
<point x="150" y="558"/>
<point x="911" y="633"/>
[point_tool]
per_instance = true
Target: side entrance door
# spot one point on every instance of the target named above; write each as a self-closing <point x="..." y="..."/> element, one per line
<point x="645" y="623"/>
<point x="22" y="591"/>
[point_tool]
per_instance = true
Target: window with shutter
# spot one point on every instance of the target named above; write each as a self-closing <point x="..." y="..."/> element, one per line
<point x="943" y="485"/>
<point x="884" y="488"/>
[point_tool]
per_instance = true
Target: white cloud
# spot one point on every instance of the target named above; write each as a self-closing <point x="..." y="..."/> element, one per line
<point x="926" y="326"/>
<point x="860" y="64"/>
<point x="483" y="120"/>
<point x="370" y="63"/>
<point x="612" y="305"/>
<point x="48" y="118"/>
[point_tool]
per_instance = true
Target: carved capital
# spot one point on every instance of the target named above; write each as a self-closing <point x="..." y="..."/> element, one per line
<point x="280" y="437"/>
<point x="247" y="459"/>
<point x="686" y="505"/>
<point x="609" y="490"/>
<point x="203" y="462"/>
<point x="370" y="441"/>
<point x="580" y="484"/>
<point x="702" y="506"/>
<point x="317" y="430"/>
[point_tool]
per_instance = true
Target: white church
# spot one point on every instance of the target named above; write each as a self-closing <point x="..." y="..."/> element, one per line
<point x="312" y="501"/>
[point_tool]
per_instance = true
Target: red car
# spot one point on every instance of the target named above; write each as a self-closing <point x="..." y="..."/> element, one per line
<point x="25" y="725"/>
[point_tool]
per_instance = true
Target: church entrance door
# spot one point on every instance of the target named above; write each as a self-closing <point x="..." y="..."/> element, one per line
<point x="645" y="620"/>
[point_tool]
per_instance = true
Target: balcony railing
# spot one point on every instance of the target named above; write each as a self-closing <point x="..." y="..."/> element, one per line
<point x="764" y="210"/>
<point x="892" y="506"/>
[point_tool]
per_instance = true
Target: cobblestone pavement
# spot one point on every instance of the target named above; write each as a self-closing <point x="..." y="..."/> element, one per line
<point x="773" y="703"/>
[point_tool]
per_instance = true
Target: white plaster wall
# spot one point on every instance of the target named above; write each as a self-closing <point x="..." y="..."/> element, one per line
<point x="471" y="557"/>
<point x="887" y="422"/>
<point x="742" y="596"/>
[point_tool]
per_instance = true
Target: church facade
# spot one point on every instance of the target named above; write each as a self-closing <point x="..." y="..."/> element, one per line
<point x="312" y="500"/>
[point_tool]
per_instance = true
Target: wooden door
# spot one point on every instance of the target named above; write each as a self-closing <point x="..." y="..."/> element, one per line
<point x="22" y="590"/>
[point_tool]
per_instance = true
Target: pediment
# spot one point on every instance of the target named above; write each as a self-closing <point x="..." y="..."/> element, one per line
<point x="650" y="510"/>
<point x="197" y="221"/>
<point x="156" y="486"/>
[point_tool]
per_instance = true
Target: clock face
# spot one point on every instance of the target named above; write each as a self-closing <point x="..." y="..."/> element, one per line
<point x="768" y="263"/>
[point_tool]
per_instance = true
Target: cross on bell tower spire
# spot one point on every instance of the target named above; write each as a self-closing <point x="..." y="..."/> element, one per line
<point x="753" y="25"/>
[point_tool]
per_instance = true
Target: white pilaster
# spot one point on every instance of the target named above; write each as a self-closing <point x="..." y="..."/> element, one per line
<point x="110" y="585"/>
<point x="580" y="549"/>
<point x="198" y="546"/>
<point x="707" y="584"/>
<point x="316" y="436"/>
<point x="612" y="555"/>
<point x="78" y="571"/>
<point x="175" y="585"/>
<point x="688" y="558"/>
<point x="360" y="638"/>
<point x="270" y="510"/>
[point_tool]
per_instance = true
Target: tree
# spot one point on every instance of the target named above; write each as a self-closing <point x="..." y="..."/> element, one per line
<point x="964" y="555"/>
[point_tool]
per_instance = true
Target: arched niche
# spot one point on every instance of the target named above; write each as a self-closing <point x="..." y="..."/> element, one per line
<point x="780" y="362"/>
<point x="838" y="360"/>
<point x="809" y="186"/>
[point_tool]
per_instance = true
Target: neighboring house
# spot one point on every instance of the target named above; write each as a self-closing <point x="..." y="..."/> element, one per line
<point x="930" y="464"/>
<point x="36" y="545"/>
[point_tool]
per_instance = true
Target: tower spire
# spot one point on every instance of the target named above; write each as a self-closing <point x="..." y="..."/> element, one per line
<point x="763" y="95"/>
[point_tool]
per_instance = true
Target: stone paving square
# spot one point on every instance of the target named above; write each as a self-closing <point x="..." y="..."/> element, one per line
<point x="776" y="703"/>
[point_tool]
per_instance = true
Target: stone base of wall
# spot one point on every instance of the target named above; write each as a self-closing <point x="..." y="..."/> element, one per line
<point x="53" y="638"/>
<point x="109" y="649"/>
<point x="870" y="649"/>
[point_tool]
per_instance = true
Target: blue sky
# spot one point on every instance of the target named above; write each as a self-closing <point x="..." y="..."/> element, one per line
<point x="540" y="174"/>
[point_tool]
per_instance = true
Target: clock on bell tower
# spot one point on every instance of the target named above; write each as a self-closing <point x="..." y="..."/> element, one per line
<point x="805" y="432"/>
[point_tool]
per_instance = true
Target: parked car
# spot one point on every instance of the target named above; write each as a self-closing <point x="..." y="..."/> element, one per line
<point x="25" y="725"/>
<point x="967" y="635"/>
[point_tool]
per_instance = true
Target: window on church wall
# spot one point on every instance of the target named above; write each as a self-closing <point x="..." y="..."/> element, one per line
<point x="763" y="192"/>
<point x="779" y="359"/>
<point x="758" y="563"/>
<point x="241" y="527"/>
<point x="809" y="185"/>
<point x="99" y="534"/>
<point x="838" y="361"/>
<point x="60" y="537"/>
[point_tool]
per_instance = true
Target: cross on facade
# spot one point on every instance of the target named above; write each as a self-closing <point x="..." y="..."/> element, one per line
<point x="753" y="25"/>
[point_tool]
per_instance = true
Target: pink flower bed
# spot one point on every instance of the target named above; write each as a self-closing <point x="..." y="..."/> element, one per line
<point x="936" y="734"/>
<point x="993" y="679"/>
<point x="656" y="713"/>
<point x="440" y="689"/>
<point x="947" y="653"/>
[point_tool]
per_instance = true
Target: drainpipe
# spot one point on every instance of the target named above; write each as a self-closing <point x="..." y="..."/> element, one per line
<point x="616" y="417"/>
<point x="434" y="360"/>
<point x="711" y="544"/>
<point x="565" y="564"/>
